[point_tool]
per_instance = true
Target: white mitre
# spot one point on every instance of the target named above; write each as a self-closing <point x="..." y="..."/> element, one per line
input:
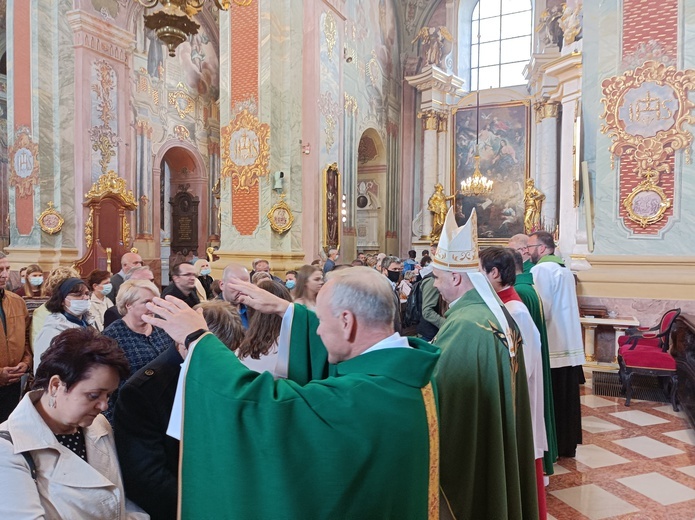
<point x="458" y="252"/>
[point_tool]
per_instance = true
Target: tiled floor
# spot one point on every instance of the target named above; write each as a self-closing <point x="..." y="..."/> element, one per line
<point x="636" y="463"/>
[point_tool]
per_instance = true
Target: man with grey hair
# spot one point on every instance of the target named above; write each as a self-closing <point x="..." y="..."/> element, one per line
<point x="128" y="261"/>
<point x="519" y="243"/>
<point x="229" y="294"/>
<point x="374" y="418"/>
<point x="15" y="356"/>
<point x="330" y="262"/>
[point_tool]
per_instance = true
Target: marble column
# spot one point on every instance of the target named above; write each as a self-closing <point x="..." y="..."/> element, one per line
<point x="546" y="160"/>
<point x="444" y="149"/>
<point x="430" y="170"/>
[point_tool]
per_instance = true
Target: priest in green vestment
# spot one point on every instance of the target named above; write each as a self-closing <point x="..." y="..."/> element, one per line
<point x="361" y="443"/>
<point x="519" y="243"/>
<point x="527" y="293"/>
<point x="487" y="464"/>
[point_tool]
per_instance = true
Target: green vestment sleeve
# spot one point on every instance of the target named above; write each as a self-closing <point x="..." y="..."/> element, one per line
<point x="487" y="456"/>
<point x="352" y="446"/>
<point x="527" y="293"/>
<point x="308" y="357"/>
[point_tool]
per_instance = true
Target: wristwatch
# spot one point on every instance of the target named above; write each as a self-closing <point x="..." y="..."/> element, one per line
<point x="193" y="336"/>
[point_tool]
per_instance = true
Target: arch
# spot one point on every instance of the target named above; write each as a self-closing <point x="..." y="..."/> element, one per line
<point x="372" y="195"/>
<point x="187" y="156"/>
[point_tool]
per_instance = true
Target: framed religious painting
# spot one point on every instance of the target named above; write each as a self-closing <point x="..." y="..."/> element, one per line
<point x="331" y="207"/>
<point x="499" y="134"/>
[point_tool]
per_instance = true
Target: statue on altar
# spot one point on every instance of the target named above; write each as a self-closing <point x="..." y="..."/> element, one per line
<point x="437" y="205"/>
<point x="533" y="200"/>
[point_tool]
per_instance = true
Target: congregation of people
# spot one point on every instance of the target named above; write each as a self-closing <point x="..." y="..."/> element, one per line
<point x="441" y="385"/>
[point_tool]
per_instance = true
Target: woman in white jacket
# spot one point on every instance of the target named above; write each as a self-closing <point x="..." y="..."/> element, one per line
<point x="60" y="426"/>
<point x="69" y="307"/>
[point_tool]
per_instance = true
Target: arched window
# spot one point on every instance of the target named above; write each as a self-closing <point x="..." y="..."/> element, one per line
<point x="505" y="28"/>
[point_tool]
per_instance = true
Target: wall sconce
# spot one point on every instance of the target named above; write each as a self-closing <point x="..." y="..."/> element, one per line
<point x="343" y="211"/>
<point x="306" y="148"/>
<point x="347" y="55"/>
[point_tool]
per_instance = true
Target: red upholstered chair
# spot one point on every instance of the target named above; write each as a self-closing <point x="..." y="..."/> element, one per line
<point x="656" y="336"/>
<point x="646" y="352"/>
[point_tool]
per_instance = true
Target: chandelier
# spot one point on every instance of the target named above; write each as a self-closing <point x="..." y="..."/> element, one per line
<point x="477" y="184"/>
<point x="173" y="24"/>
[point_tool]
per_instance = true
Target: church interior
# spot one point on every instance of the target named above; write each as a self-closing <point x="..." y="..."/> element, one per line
<point x="280" y="129"/>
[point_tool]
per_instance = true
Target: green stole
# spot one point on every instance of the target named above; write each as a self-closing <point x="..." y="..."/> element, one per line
<point x="527" y="293"/>
<point x="527" y="266"/>
<point x="487" y="466"/>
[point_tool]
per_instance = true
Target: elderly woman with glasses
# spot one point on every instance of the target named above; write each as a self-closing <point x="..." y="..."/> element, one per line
<point x="69" y="308"/>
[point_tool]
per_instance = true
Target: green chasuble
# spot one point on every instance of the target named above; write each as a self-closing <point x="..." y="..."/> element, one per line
<point x="355" y="445"/>
<point x="527" y="266"/>
<point x="527" y="293"/>
<point x="487" y="457"/>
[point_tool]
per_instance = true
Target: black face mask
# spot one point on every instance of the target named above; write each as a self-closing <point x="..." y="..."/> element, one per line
<point x="394" y="275"/>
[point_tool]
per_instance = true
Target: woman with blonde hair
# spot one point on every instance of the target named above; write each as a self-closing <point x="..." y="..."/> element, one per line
<point x="33" y="282"/>
<point x="309" y="283"/>
<point x="203" y="283"/>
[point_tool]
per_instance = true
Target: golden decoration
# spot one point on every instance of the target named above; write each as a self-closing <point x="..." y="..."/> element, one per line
<point x="336" y="199"/>
<point x="350" y="103"/>
<point x="546" y="109"/>
<point x="649" y="151"/>
<point x="181" y="132"/>
<point x="649" y="127"/>
<point x="245" y="150"/>
<point x="430" y="119"/>
<point x="280" y="216"/>
<point x="50" y="220"/>
<point x="111" y="184"/>
<point x="180" y="99"/>
<point x="330" y="30"/>
<point x="533" y="202"/>
<point x="89" y="228"/>
<point x="24" y="163"/>
<point x="104" y="138"/>
<point x="242" y="3"/>
<point x="437" y="204"/>
<point x="647" y="203"/>
<point x="125" y="228"/>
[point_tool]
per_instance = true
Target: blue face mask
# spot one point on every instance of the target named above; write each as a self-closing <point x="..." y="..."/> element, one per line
<point x="107" y="287"/>
<point x="290" y="284"/>
<point x="205" y="272"/>
<point x="36" y="280"/>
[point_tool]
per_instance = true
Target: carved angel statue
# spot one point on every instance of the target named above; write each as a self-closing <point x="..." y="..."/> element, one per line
<point x="571" y="23"/>
<point x="436" y="43"/>
<point x="533" y="200"/>
<point x="437" y="205"/>
<point x="549" y="26"/>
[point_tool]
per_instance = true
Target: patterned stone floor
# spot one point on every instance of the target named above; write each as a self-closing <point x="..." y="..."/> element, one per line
<point x="636" y="463"/>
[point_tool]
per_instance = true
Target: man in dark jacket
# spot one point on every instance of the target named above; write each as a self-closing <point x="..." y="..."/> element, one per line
<point x="183" y="284"/>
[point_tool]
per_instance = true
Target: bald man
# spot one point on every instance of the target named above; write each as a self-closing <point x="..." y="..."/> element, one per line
<point x="128" y="261"/>
<point x="519" y="243"/>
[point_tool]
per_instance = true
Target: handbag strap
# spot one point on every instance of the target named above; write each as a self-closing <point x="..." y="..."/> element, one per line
<point x="4" y="434"/>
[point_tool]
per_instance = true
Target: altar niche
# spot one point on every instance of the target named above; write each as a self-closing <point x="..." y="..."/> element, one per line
<point x="184" y="235"/>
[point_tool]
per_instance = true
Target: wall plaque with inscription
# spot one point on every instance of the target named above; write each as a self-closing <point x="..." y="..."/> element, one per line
<point x="184" y="219"/>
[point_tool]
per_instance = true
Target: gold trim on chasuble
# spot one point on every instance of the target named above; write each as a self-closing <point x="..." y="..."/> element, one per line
<point x="433" y="428"/>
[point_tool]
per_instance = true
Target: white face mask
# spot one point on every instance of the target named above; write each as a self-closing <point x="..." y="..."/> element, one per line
<point x="107" y="287"/>
<point x="205" y="272"/>
<point x="36" y="280"/>
<point x="78" y="307"/>
<point x="23" y="280"/>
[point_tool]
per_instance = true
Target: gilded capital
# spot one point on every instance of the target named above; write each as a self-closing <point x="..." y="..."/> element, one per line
<point x="442" y="124"/>
<point x="545" y="109"/>
<point x="430" y="119"/>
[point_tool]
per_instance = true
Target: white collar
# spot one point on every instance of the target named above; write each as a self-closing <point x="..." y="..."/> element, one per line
<point x="393" y="341"/>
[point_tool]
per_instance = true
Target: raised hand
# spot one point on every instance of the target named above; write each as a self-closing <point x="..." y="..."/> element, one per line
<point x="175" y="317"/>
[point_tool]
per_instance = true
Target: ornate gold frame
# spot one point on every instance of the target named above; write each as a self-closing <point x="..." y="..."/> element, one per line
<point x="651" y="153"/>
<point x="324" y="208"/>
<point x="280" y="205"/>
<point x="24" y="185"/>
<point x="111" y="183"/>
<point x="182" y="94"/>
<point x="245" y="175"/>
<point x="47" y="228"/>
<point x="642" y="220"/>
<point x="648" y="151"/>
